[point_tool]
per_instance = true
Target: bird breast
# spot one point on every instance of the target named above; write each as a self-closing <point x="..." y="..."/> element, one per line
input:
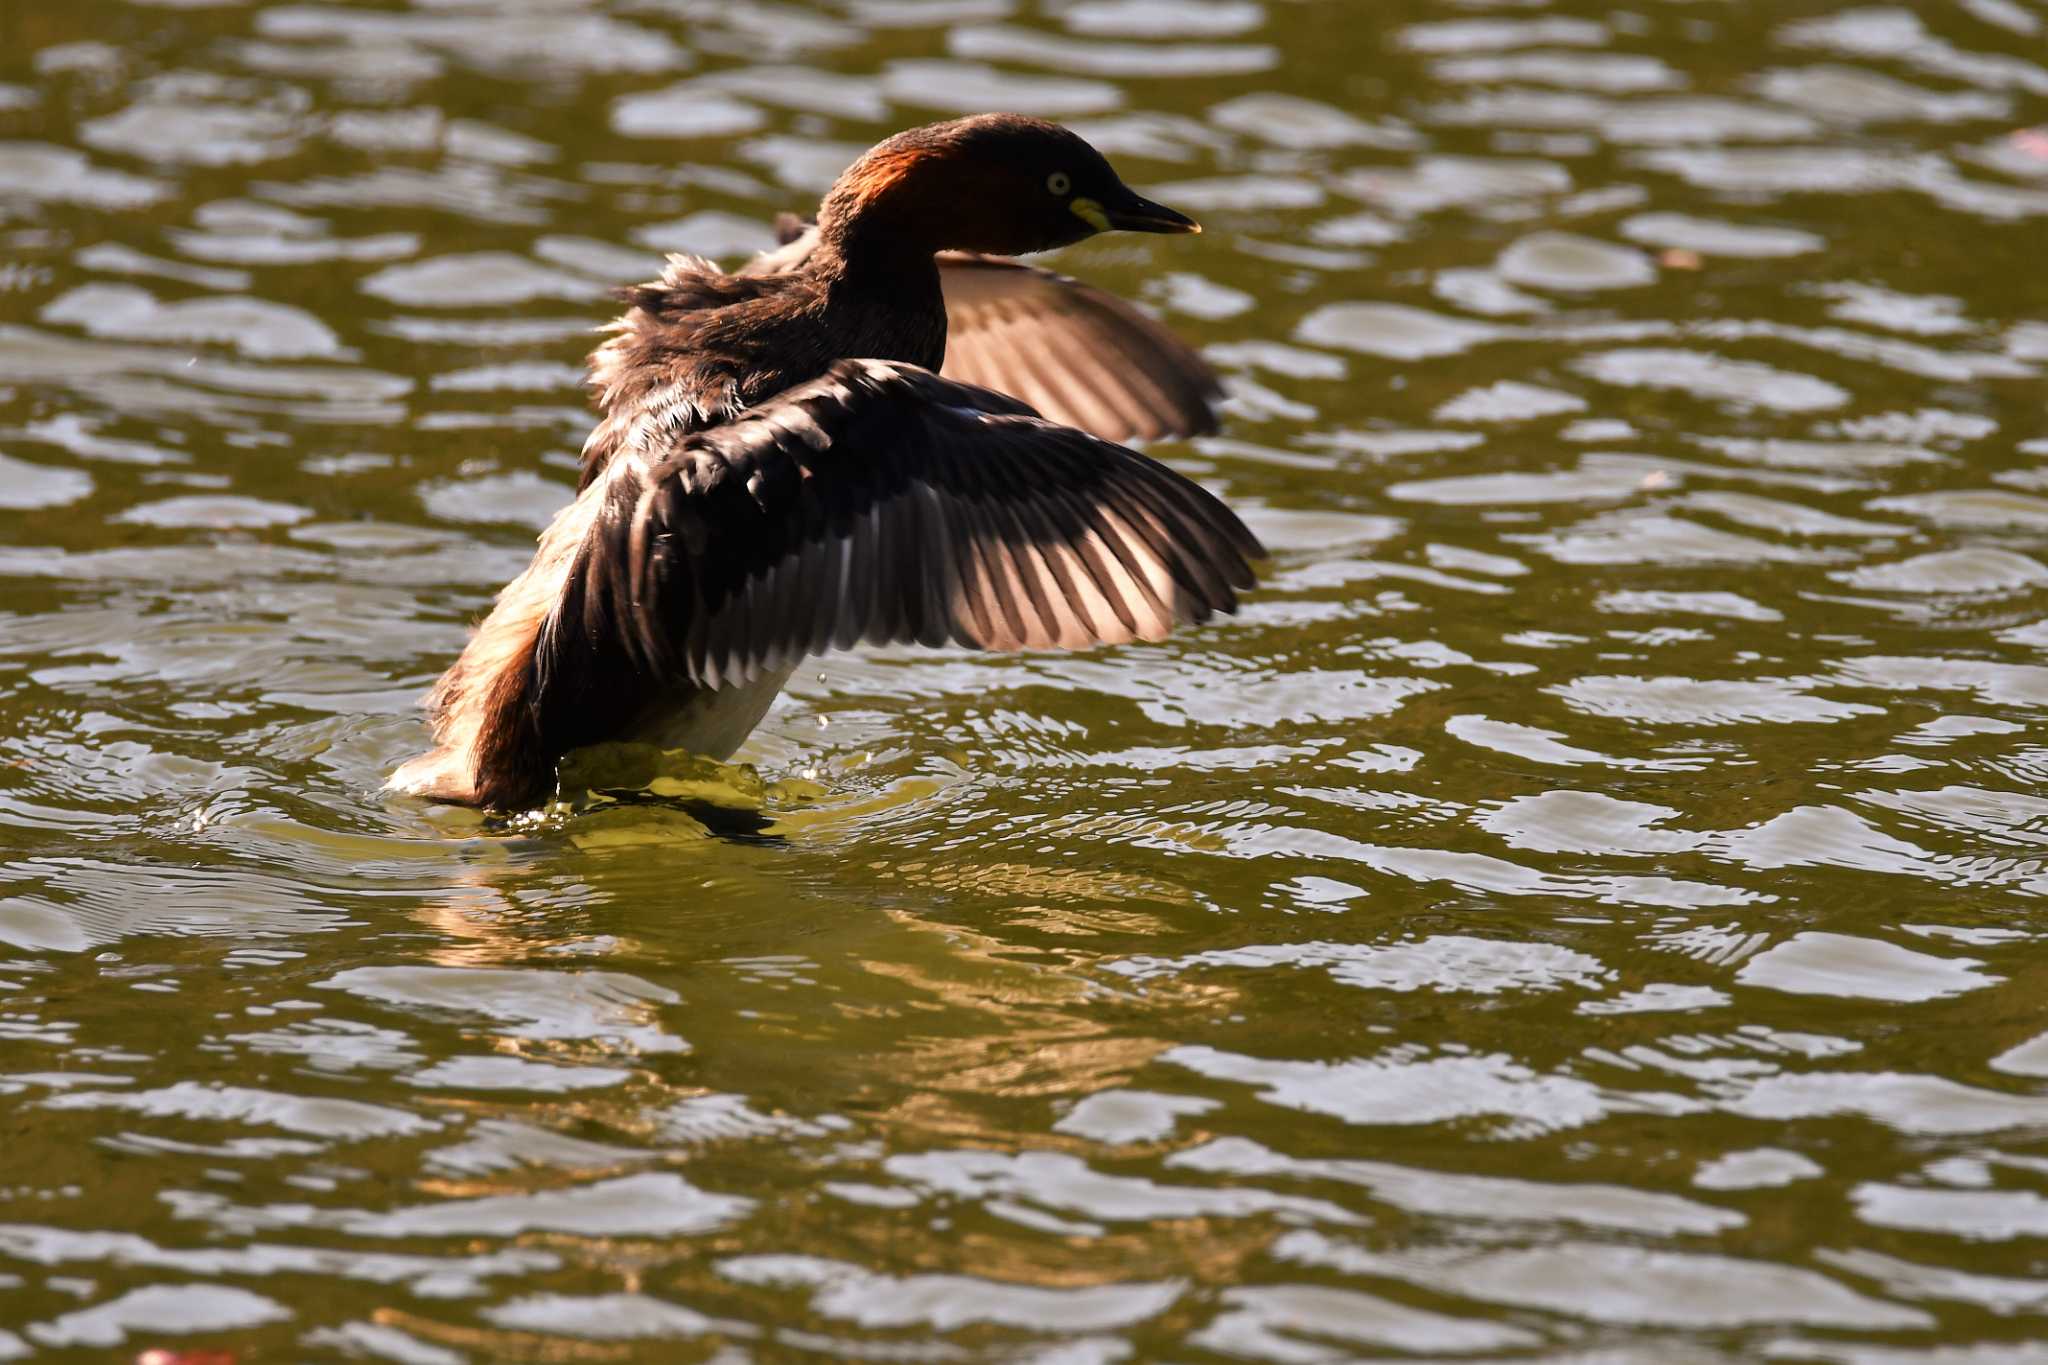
<point x="711" y="721"/>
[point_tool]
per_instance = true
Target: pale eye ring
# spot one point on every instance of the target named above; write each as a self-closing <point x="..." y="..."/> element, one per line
<point x="1059" y="182"/>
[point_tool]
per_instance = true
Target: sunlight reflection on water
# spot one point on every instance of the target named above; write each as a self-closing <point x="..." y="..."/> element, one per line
<point x="1580" y="910"/>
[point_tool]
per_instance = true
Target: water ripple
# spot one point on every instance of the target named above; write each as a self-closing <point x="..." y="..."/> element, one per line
<point x="1615" y="816"/>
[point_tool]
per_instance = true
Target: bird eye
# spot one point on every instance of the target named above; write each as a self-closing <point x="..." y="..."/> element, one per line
<point x="1059" y="182"/>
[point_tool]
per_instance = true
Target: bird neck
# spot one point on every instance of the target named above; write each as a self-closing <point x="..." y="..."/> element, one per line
<point x="883" y="288"/>
<point x="875" y="240"/>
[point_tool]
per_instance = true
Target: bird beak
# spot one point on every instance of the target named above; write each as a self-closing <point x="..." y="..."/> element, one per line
<point x="1138" y="214"/>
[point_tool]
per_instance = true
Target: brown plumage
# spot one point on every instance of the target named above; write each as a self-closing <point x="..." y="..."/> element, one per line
<point x="779" y="470"/>
<point x="1078" y="355"/>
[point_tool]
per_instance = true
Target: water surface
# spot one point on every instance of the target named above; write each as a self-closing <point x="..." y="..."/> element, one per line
<point x="1585" y="909"/>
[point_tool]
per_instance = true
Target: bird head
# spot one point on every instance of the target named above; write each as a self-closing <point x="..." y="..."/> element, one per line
<point x="998" y="183"/>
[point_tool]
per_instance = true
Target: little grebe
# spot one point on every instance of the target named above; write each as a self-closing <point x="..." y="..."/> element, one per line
<point x="780" y="468"/>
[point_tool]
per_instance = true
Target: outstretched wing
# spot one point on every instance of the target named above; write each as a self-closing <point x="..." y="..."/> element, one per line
<point x="880" y="503"/>
<point x="1075" y="353"/>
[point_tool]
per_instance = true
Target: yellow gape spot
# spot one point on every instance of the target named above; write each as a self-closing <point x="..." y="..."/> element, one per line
<point x="1090" y="212"/>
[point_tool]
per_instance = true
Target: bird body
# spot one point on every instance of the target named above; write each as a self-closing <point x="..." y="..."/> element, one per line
<point x="779" y="470"/>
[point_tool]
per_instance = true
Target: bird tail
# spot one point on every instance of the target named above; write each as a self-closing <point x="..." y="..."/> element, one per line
<point x="438" y="775"/>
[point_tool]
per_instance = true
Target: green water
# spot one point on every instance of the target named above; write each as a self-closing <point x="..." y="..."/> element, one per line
<point x="1586" y="908"/>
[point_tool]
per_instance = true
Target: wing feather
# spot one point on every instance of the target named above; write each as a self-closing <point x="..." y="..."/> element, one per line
<point x="1098" y="578"/>
<point x="1102" y="365"/>
<point x="1060" y="570"/>
<point x="1005" y="603"/>
<point x="943" y="572"/>
<point x="880" y="503"/>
